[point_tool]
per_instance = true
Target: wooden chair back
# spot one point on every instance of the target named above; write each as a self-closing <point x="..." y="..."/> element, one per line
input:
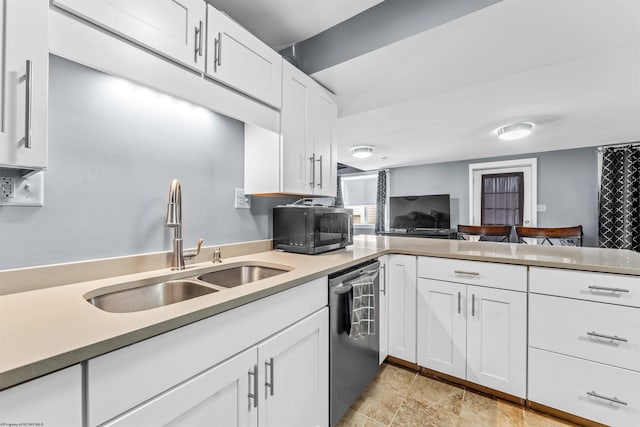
<point x="565" y="236"/>
<point x="499" y="233"/>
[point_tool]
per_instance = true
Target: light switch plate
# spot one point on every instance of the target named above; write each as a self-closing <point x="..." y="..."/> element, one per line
<point x="241" y="200"/>
<point x="542" y="208"/>
<point x="27" y="191"/>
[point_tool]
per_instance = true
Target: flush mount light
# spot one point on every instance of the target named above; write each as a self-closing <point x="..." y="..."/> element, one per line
<point x="362" y="151"/>
<point x="514" y="131"/>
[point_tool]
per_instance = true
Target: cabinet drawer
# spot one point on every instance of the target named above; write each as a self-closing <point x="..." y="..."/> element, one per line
<point x="601" y="287"/>
<point x="504" y="276"/>
<point x="154" y="365"/>
<point x="571" y="327"/>
<point x="563" y="382"/>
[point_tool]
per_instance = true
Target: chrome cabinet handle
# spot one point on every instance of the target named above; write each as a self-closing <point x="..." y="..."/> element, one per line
<point x="604" y="288"/>
<point x="459" y="304"/>
<point x="28" y="79"/>
<point x="466" y="273"/>
<point x="383" y="267"/>
<point x="312" y="159"/>
<point x="198" y="43"/>
<point x="608" y="337"/>
<point x="269" y="385"/>
<point x="320" y="161"/>
<point x="217" y="52"/>
<point x="610" y="399"/>
<point x="473" y="305"/>
<point x="253" y="396"/>
<point x="219" y="49"/>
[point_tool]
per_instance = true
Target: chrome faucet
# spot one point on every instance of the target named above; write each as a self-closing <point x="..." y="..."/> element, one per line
<point x="174" y="220"/>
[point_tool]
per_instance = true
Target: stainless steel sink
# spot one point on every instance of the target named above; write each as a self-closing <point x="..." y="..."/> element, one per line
<point x="236" y="276"/>
<point x="150" y="296"/>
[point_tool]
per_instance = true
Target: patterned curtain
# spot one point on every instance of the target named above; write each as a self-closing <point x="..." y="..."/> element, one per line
<point x="338" y="202"/>
<point x="381" y="201"/>
<point x="620" y="198"/>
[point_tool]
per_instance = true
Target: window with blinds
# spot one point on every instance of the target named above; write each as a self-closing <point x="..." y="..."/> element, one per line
<point x="359" y="192"/>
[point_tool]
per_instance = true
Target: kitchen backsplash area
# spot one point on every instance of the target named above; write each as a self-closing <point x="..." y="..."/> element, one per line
<point x="114" y="148"/>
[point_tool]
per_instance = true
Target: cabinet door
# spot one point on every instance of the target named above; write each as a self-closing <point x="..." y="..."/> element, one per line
<point x="54" y="400"/>
<point x="239" y="59"/>
<point x="442" y="330"/>
<point x="295" y="362"/>
<point x="223" y="394"/>
<point x="23" y="90"/>
<point x="402" y="307"/>
<point x="497" y="339"/>
<point x="384" y="309"/>
<point x="324" y="113"/>
<point x="297" y="146"/>
<point x="173" y="28"/>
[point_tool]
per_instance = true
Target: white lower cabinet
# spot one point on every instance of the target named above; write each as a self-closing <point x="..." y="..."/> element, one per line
<point x="401" y="297"/>
<point x="54" y="400"/>
<point x="294" y="390"/>
<point x="383" y="308"/>
<point x="477" y="333"/>
<point x="187" y="373"/>
<point x="280" y="382"/>
<point x="584" y="334"/>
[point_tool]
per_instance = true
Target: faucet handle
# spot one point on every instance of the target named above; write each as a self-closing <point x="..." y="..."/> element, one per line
<point x="217" y="255"/>
<point x="194" y="252"/>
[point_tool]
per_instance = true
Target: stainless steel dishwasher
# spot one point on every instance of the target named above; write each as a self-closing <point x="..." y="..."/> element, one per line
<point x="353" y="357"/>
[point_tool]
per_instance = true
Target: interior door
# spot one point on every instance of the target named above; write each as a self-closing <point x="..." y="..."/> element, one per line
<point x="295" y="364"/>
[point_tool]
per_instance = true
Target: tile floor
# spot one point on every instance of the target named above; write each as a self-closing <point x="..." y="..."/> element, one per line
<point x="401" y="397"/>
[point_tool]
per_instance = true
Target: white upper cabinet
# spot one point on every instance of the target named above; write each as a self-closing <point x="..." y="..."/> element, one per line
<point x="172" y="28"/>
<point x="238" y="59"/>
<point x="24" y="65"/>
<point x="302" y="158"/>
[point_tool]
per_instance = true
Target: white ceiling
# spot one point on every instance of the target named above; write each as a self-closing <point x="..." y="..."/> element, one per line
<point x="279" y="23"/>
<point x="570" y="66"/>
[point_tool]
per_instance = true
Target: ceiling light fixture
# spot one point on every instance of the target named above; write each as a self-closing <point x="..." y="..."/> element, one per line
<point x="514" y="131"/>
<point x="362" y="151"/>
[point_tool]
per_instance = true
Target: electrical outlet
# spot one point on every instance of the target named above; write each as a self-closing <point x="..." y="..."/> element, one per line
<point x="22" y="191"/>
<point x="7" y="186"/>
<point x="241" y="200"/>
<point x="542" y="208"/>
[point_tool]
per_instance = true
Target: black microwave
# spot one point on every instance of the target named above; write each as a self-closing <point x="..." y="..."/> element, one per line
<point x="311" y="229"/>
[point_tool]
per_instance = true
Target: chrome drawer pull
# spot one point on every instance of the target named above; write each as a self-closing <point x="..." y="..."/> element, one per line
<point x="610" y="399"/>
<point x="609" y="337"/>
<point x="253" y="396"/>
<point x="604" y="288"/>
<point x="28" y="102"/>
<point x="466" y="273"/>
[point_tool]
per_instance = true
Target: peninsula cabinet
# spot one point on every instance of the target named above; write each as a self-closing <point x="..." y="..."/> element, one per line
<point x="280" y="382"/>
<point x="384" y="308"/>
<point x="174" y="29"/>
<point x="24" y="66"/>
<point x="471" y="322"/>
<point x="265" y="362"/>
<point x="54" y="400"/>
<point x="239" y="59"/>
<point x="401" y="297"/>
<point x="584" y="344"/>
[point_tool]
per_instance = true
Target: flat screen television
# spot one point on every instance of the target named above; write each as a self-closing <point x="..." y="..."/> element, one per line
<point x="419" y="213"/>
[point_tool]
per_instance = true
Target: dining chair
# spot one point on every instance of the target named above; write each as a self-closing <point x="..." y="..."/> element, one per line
<point x="565" y="236"/>
<point x="494" y="233"/>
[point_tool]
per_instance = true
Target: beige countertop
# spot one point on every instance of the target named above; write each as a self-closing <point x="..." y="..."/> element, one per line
<point x="48" y="329"/>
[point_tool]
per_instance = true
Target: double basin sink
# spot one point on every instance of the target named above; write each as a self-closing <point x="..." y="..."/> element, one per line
<point x="168" y="292"/>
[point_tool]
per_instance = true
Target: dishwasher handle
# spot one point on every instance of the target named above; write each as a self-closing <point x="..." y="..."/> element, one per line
<point x="342" y="289"/>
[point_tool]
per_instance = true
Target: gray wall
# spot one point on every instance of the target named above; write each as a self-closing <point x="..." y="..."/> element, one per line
<point x="567" y="185"/>
<point x="113" y="150"/>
